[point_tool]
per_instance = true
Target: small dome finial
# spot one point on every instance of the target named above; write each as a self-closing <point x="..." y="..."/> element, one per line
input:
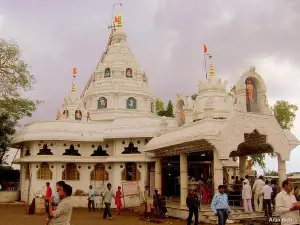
<point x="211" y="70"/>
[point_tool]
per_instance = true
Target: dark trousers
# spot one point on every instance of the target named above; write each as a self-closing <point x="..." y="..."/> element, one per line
<point x="267" y="207"/>
<point x="107" y="210"/>
<point x="91" y="203"/>
<point x="193" y="211"/>
<point x="222" y="216"/>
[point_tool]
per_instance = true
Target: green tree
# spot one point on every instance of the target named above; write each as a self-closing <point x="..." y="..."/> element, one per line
<point x="169" y="110"/>
<point x="232" y="94"/>
<point x="15" y="79"/>
<point x="160" y="106"/>
<point x="285" y="113"/>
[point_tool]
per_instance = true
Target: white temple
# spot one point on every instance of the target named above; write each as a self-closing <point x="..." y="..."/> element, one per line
<point x="111" y="133"/>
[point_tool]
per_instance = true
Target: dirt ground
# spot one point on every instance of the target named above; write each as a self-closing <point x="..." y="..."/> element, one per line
<point x="15" y="215"/>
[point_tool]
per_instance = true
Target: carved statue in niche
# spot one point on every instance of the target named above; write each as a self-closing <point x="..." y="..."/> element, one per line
<point x="107" y="72"/>
<point x="128" y="73"/>
<point x="100" y="152"/>
<point x="249" y="88"/>
<point x="27" y="153"/>
<point x="78" y="115"/>
<point x="152" y="107"/>
<point x="102" y="103"/>
<point x="131" y="149"/>
<point x="131" y="103"/>
<point x="71" y="151"/>
<point x="45" y="150"/>
<point x="66" y="114"/>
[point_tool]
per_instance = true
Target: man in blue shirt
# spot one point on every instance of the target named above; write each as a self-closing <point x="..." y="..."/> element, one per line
<point x="220" y="205"/>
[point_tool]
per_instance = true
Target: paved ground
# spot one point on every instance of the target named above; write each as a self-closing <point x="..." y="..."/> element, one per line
<point x="15" y="215"/>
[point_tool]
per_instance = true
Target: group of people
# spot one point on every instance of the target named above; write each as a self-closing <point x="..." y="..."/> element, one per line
<point x="285" y="201"/>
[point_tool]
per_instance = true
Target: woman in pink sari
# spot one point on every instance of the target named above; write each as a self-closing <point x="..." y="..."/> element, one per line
<point x="118" y="200"/>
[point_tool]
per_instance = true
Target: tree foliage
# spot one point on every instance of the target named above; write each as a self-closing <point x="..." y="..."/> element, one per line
<point x="168" y="112"/>
<point x="232" y="94"/>
<point x="285" y="113"/>
<point x="15" y="79"/>
<point x="160" y="106"/>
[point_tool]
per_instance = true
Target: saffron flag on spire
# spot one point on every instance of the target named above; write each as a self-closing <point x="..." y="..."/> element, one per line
<point x="74" y="72"/>
<point x="116" y="19"/>
<point x="205" y="48"/>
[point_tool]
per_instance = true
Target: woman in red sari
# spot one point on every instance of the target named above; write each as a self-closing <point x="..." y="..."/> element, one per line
<point x="118" y="200"/>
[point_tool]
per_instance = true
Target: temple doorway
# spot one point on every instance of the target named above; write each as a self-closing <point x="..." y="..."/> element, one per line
<point x="199" y="169"/>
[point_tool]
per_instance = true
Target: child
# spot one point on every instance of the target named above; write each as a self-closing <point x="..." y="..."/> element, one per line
<point x="106" y="199"/>
<point x="118" y="200"/>
<point x="220" y="205"/>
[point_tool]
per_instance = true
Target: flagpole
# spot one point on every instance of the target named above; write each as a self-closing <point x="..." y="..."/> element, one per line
<point x="205" y="65"/>
<point x="112" y="13"/>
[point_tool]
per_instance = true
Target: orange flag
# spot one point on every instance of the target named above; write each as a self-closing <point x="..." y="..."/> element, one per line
<point x="74" y="71"/>
<point x="205" y="48"/>
<point x="116" y="19"/>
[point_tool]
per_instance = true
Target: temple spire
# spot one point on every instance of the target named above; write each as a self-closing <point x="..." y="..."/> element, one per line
<point x="211" y="70"/>
<point x="73" y="82"/>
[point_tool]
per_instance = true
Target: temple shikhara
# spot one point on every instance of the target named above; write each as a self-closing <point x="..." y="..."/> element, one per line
<point x="110" y="133"/>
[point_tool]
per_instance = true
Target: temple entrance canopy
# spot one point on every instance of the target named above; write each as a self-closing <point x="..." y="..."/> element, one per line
<point x="254" y="143"/>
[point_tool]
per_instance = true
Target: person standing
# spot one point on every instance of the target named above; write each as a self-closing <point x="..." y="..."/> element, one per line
<point x="91" y="199"/>
<point x="296" y="193"/>
<point x="258" y="197"/>
<point x="47" y="196"/>
<point x="220" y="205"/>
<point x="106" y="199"/>
<point x="247" y="196"/>
<point x="267" y="193"/>
<point x="118" y="200"/>
<point x="62" y="214"/>
<point x="193" y="203"/>
<point x="55" y="195"/>
<point x="285" y="205"/>
<point x="276" y="190"/>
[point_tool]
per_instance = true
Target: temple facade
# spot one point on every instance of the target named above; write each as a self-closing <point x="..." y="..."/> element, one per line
<point x="98" y="137"/>
<point x="111" y="134"/>
<point x="216" y="131"/>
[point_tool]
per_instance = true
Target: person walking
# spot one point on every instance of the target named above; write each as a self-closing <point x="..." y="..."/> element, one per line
<point x="267" y="193"/>
<point x="285" y="203"/>
<point x="106" y="199"/>
<point x="247" y="196"/>
<point x="48" y="195"/>
<point x="118" y="200"/>
<point x="63" y="213"/>
<point x="220" y="205"/>
<point x="193" y="203"/>
<point x="91" y="199"/>
<point x="56" y="199"/>
<point x="258" y="197"/>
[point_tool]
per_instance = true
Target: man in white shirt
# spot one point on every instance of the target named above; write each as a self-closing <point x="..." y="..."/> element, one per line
<point x="267" y="192"/>
<point x="285" y="205"/>
<point x="258" y="197"/>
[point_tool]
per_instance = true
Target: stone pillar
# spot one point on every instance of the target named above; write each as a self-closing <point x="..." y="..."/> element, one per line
<point x="157" y="184"/>
<point x="218" y="171"/>
<point x="281" y="170"/>
<point x="183" y="178"/>
<point x="242" y="166"/>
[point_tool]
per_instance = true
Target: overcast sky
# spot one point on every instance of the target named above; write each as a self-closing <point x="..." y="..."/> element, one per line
<point x="167" y="39"/>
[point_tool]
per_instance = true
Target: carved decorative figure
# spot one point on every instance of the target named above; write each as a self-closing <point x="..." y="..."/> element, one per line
<point x="71" y="151"/>
<point x="45" y="150"/>
<point x="88" y="116"/>
<point x="58" y="115"/>
<point x="107" y="72"/>
<point x="102" y="103"/>
<point x="131" y="149"/>
<point x="131" y="103"/>
<point x="78" y="115"/>
<point x="249" y="88"/>
<point x="128" y="73"/>
<point x="27" y="153"/>
<point x="152" y="107"/>
<point x="100" y="152"/>
<point x="66" y="114"/>
<point x="144" y="78"/>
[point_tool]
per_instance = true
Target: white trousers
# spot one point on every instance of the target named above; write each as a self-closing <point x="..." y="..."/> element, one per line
<point x="258" y="202"/>
<point x="247" y="205"/>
